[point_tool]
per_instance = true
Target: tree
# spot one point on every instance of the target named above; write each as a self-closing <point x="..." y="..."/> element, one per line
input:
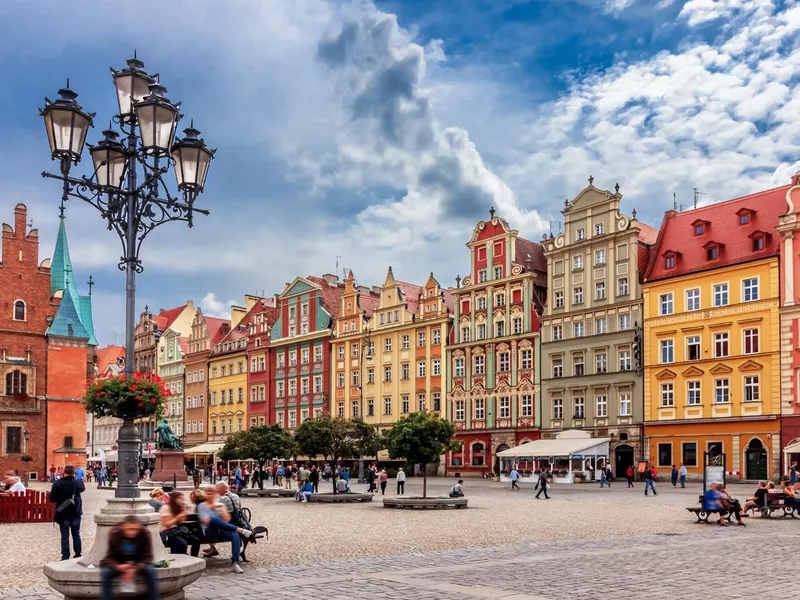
<point x="260" y="443"/>
<point x="336" y="439"/>
<point x="420" y="438"/>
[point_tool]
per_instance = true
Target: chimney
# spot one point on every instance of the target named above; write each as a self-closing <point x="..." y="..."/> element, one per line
<point x="376" y="289"/>
<point x="331" y="279"/>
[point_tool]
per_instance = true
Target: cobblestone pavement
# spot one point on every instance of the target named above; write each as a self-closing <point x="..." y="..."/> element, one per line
<point x="584" y="542"/>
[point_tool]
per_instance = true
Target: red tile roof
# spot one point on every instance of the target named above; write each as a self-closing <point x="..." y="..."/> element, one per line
<point x="677" y="234"/>
<point x="331" y="295"/>
<point x="524" y="250"/>
<point x="216" y="329"/>
<point x="411" y="294"/>
<point x="647" y="234"/>
<point x="449" y="301"/>
<point x="109" y="355"/>
<point x="184" y="343"/>
<point x="368" y="302"/>
<point x="169" y="316"/>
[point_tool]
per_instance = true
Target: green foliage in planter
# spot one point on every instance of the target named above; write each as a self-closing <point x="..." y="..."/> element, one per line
<point x="142" y="395"/>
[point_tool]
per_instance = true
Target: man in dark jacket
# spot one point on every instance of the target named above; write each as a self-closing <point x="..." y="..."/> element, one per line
<point x="130" y="553"/>
<point x="66" y="495"/>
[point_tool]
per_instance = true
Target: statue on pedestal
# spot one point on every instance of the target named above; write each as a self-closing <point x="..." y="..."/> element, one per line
<point x="166" y="439"/>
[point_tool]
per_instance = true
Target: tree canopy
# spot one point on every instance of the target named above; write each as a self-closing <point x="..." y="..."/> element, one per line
<point x="420" y="438"/>
<point x="259" y="443"/>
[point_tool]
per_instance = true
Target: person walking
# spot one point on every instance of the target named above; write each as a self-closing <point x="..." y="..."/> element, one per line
<point x="629" y="476"/>
<point x="371" y="477"/>
<point x="384" y="480"/>
<point x="674" y="476"/>
<point x="682" y="475"/>
<point x="401" y="481"/>
<point x="313" y="479"/>
<point x="66" y="495"/>
<point x="604" y="479"/>
<point x="514" y="476"/>
<point x="544" y="474"/>
<point x="52" y="473"/>
<point x="650" y="480"/>
<point x="793" y="473"/>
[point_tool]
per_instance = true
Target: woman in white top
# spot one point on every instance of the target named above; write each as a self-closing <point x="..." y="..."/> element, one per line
<point x="172" y="516"/>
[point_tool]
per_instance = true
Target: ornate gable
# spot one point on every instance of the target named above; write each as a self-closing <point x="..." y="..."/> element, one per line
<point x="750" y="365"/>
<point x="720" y="369"/>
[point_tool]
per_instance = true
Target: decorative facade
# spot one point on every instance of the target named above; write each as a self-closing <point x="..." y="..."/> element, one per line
<point x="259" y="331"/>
<point x="711" y="338"/>
<point x="300" y="356"/>
<point x="172" y="349"/>
<point x="204" y="334"/>
<point x="492" y="374"/>
<point x="591" y="360"/>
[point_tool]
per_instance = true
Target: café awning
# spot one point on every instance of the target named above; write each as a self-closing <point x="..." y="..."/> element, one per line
<point x="205" y="448"/>
<point x="559" y="447"/>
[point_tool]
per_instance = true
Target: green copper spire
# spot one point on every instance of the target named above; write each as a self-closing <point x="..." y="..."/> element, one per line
<point x="67" y="321"/>
<point x="61" y="265"/>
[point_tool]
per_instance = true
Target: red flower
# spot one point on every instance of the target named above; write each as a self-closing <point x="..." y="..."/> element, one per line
<point x="138" y="397"/>
<point x="158" y="378"/>
<point x="138" y="373"/>
<point x="140" y="405"/>
<point x="134" y="387"/>
<point x="152" y="400"/>
<point x="167" y="393"/>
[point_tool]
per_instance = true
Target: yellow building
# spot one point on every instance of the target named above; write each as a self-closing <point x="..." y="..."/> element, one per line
<point x="392" y="339"/>
<point x="711" y="339"/>
<point x="227" y="381"/>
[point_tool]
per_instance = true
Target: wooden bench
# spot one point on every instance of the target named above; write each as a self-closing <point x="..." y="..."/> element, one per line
<point x="195" y="529"/>
<point x="776" y="503"/>
<point x="33" y="506"/>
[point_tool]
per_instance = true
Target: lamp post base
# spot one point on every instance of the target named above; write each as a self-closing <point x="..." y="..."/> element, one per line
<point x="81" y="578"/>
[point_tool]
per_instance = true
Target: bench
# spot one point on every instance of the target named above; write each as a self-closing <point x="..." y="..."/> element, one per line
<point x="271" y="492"/>
<point x="193" y="524"/>
<point x="776" y="503"/>
<point x="430" y="503"/>
<point x="341" y="497"/>
<point x="702" y="514"/>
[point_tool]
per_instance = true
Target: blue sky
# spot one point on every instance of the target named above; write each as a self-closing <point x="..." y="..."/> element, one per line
<point x="381" y="131"/>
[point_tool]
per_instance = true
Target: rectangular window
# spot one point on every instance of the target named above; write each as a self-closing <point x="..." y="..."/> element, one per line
<point x="387" y="373"/>
<point x="13" y="440"/>
<point x="498" y="272"/>
<point x="504" y="361"/>
<point x="292" y="420"/>
<point x="600" y="325"/>
<point x="721" y="391"/>
<point x="500" y="328"/>
<point x="752" y="391"/>
<point x="480" y="409"/>
<point x="293" y="387"/>
<point x="387" y="344"/>
<point x="354" y="409"/>
<point x="465" y="334"/>
<point x="693" y="393"/>
<point x="721" y="294"/>
<point x="579" y="406"/>
<point x="751" y="341"/>
<point x="665" y="304"/>
<point x="354" y="350"/>
<point x="458" y="367"/>
<point x="405" y="371"/>
<point x="600" y="257"/>
<point x="600" y="290"/>
<point x="667" y="351"/>
<point x="482" y="303"/>
<point x="317" y="354"/>
<point x="500" y="299"/>
<point x="480" y="365"/>
<point x="482" y="276"/>
<point x="526" y="405"/>
<point x="750" y="289"/>
<point x="559" y="299"/>
<point x="293" y="358"/>
<point x="601" y="362"/>
<point x="387" y="405"/>
<point x="558" y="408"/>
<point x="371" y="375"/>
<point x="526" y="359"/>
<point x="721" y="345"/>
<point x="577" y="262"/>
<point x="558" y="368"/>
<point x="370" y="407"/>
<point x="421" y="402"/>
<point x="693" y="347"/>
<point x="624" y="322"/>
<point x="404" y="404"/>
<point x="505" y="407"/>
<point x="578" y="296"/>
<point x="581" y="234"/>
<point x="693" y="300"/>
<point x="625" y="360"/>
<point x="665" y="454"/>
<point x="667" y="395"/>
<point x="421" y="339"/>
<point x="558" y="332"/>
<point x="482" y="331"/>
<point x="689" y="457"/>
<point x="459" y="410"/>
<point x="340" y="380"/>
<point x="577" y="329"/>
<point x="622" y="286"/>
<point x="317" y="384"/>
<point x="601" y="406"/>
<point x="421" y="368"/>
<point x="436" y="367"/>
<point x="625" y="405"/>
<point x="405" y="342"/>
<point x="516" y="325"/>
<point x="577" y="365"/>
<point x="353" y="380"/>
<point x="437" y="401"/>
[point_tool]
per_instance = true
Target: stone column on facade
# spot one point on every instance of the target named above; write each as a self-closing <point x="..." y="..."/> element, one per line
<point x="735" y="463"/>
<point x="775" y="450"/>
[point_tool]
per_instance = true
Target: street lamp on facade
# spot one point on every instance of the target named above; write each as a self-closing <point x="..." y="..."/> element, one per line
<point x="127" y="186"/>
<point x="366" y="351"/>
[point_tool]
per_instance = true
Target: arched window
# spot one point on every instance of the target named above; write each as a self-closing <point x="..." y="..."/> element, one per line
<point x="478" y="454"/>
<point x="16" y="383"/>
<point x="19" y="310"/>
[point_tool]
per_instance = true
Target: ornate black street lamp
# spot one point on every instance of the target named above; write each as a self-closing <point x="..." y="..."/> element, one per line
<point x="127" y="186"/>
<point x="366" y="352"/>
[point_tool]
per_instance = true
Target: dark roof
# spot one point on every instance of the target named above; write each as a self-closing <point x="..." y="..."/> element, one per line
<point x="526" y="248"/>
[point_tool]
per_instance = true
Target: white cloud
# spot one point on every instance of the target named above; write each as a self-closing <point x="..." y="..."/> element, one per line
<point x="214" y="307"/>
<point x="697" y="12"/>
<point x="616" y="6"/>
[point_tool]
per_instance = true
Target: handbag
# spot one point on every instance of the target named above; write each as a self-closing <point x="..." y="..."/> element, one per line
<point x="69" y="501"/>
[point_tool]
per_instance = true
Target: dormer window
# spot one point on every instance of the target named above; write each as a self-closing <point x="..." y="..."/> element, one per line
<point x="745" y="216"/>
<point x="759" y="240"/>
<point x="713" y="250"/>
<point x="671" y="259"/>
<point x="700" y="226"/>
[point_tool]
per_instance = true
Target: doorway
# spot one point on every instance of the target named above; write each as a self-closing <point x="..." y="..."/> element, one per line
<point x="755" y="457"/>
<point x="623" y="458"/>
<point x="499" y="449"/>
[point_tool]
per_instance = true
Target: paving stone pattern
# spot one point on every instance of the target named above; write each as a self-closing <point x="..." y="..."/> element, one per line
<point x="628" y="547"/>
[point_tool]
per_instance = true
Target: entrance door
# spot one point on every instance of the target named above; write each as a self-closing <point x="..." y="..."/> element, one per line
<point x="497" y="451"/>
<point x="623" y="458"/>
<point x="755" y="460"/>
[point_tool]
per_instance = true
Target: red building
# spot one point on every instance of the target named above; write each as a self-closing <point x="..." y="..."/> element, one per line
<point x="47" y="352"/>
<point x="492" y="379"/>
<point x="789" y="228"/>
<point x="258" y="325"/>
<point x="300" y="349"/>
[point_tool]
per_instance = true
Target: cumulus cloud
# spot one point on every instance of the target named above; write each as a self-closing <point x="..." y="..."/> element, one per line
<point x="214" y="307"/>
<point x="616" y="6"/>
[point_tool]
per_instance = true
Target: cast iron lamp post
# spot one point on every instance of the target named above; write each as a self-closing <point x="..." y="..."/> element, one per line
<point x="127" y="185"/>
<point x="366" y="349"/>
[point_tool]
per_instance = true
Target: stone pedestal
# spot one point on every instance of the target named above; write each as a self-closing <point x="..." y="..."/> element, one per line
<point x="81" y="578"/>
<point x="169" y="465"/>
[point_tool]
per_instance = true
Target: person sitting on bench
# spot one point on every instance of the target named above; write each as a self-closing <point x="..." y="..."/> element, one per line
<point x="731" y="504"/>
<point x="341" y="486"/>
<point x="457" y="491"/>
<point x="759" y="498"/>
<point x="217" y="528"/>
<point x="304" y="492"/>
<point x="712" y="502"/>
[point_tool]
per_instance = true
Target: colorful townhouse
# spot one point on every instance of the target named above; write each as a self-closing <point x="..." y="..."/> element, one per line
<point x="300" y="349"/>
<point x="172" y="350"/>
<point x="388" y="352"/>
<point x="205" y="333"/>
<point x="47" y="352"/>
<point x="591" y="336"/>
<point x="789" y="229"/>
<point x="492" y="375"/>
<point x="711" y="338"/>
<point x="259" y="329"/>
